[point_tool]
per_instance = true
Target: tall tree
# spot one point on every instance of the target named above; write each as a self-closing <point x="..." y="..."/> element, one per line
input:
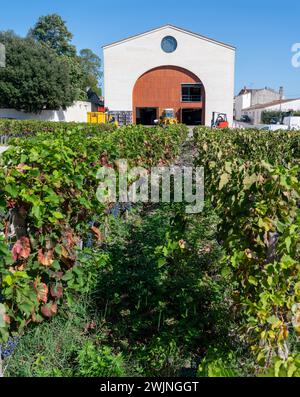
<point x="52" y="30"/>
<point x="35" y="78"/>
<point x="91" y="66"/>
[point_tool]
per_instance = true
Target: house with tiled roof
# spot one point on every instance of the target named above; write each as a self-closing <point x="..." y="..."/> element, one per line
<point x="250" y="98"/>
<point x="284" y="105"/>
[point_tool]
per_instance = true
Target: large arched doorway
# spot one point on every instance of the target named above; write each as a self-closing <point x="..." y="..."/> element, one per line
<point x="168" y="87"/>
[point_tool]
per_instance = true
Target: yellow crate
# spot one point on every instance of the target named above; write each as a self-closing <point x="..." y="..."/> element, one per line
<point x="96" y="117"/>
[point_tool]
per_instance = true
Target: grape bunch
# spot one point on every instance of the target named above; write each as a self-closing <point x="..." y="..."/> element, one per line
<point x="7" y="349"/>
<point x="119" y="209"/>
<point x="89" y="240"/>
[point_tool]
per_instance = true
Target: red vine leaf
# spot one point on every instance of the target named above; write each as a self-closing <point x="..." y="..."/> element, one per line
<point x="103" y="160"/>
<point x="11" y="203"/>
<point x="45" y="258"/>
<point x="56" y="290"/>
<point x="70" y="239"/>
<point x="56" y="275"/>
<point x="21" y="167"/>
<point x="6" y="318"/>
<point x="42" y="291"/>
<point x="21" y="249"/>
<point x="49" y="310"/>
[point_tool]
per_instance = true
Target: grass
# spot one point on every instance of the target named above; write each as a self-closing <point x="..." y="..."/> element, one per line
<point x="51" y="349"/>
<point x="144" y="319"/>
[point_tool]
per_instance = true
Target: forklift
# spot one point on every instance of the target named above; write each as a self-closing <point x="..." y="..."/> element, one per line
<point x="219" y="120"/>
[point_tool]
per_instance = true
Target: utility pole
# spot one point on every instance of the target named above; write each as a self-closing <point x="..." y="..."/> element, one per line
<point x="281" y="93"/>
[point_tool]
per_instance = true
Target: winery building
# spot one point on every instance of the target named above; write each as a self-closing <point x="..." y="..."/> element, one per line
<point x="165" y="68"/>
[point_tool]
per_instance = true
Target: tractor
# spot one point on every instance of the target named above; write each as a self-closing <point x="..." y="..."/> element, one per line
<point x="168" y="117"/>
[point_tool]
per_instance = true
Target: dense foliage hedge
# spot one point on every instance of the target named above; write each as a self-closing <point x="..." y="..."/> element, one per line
<point x="161" y="293"/>
<point x="32" y="127"/>
<point x="252" y="179"/>
<point x="48" y="189"/>
<point x="225" y="145"/>
<point x="221" y="287"/>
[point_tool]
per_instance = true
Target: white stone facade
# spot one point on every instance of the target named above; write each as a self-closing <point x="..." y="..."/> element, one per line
<point x="211" y="61"/>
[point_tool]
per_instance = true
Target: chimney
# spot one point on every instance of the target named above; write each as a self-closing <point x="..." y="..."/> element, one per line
<point x="281" y="93"/>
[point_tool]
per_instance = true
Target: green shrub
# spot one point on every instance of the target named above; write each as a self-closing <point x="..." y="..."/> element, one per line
<point x="218" y="364"/>
<point x="99" y="362"/>
<point x="162" y="290"/>
<point x="159" y="357"/>
<point x="252" y="179"/>
<point x="283" y="368"/>
<point x="32" y="127"/>
<point x="49" y="182"/>
<point x="219" y="146"/>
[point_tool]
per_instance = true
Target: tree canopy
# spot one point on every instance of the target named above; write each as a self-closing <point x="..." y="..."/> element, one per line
<point x="34" y="78"/>
<point x="91" y="66"/>
<point x="43" y="70"/>
<point x="52" y="30"/>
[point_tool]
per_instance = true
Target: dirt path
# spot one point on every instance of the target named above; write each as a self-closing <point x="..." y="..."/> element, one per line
<point x="188" y="152"/>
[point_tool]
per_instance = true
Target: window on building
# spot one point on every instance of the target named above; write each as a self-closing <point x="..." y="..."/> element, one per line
<point x="191" y="93"/>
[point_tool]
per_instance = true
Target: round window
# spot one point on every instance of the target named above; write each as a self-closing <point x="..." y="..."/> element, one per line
<point x="169" y="44"/>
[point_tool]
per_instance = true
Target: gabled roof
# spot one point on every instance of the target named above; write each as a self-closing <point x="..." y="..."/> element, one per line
<point x="246" y="90"/>
<point x="270" y="104"/>
<point x="175" y="28"/>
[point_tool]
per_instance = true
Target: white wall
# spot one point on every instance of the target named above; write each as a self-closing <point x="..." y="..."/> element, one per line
<point x="213" y="63"/>
<point x="256" y="114"/>
<point x="266" y="95"/>
<point x="242" y="102"/>
<point x="77" y="112"/>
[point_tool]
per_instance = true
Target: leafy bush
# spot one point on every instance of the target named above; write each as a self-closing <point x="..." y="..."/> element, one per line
<point x="283" y="368"/>
<point x="268" y="115"/>
<point x="162" y="292"/>
<point x="99" y="362"/>
<point x="220" y="289"/>
<point x="34" y="77"/>
<point x="217" y="364"/>
<point x="252" y="179"/>
<point x="219" y="146"/>
<point x="48" y="187"/>
<point x="33" y="127"/>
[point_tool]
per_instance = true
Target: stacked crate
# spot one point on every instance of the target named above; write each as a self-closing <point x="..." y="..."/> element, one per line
<point x="122" y="117"/>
